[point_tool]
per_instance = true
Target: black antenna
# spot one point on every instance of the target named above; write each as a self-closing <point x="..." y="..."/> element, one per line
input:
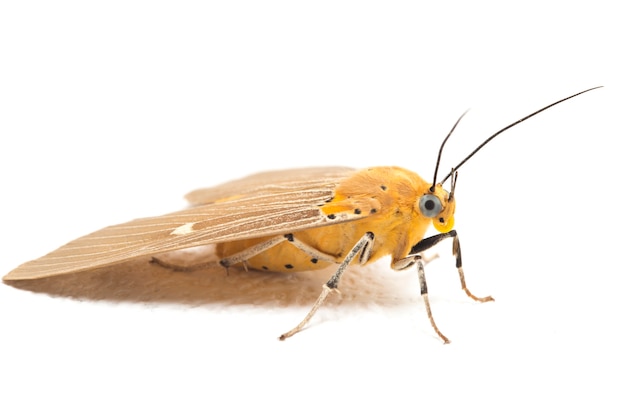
<point x="502" y="130"/>
<point x="432" y="187"/>
<point x="455" y="175"/>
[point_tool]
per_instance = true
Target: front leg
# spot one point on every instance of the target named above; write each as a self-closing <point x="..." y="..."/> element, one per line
<point x="415" y="257"/>
<point x="429" y="242"/>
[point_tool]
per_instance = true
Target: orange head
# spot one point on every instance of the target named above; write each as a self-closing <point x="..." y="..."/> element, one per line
<point x="438" y="205"/>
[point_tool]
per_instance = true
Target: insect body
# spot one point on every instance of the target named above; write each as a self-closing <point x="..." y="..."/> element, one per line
<point x="383" y="201"/>
<point x="293" y="220"/>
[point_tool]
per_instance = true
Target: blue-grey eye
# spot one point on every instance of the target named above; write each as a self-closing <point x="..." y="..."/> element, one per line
<point x="430" y="205"/>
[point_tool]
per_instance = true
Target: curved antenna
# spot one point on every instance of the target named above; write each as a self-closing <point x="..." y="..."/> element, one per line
<point x="510" y="126"/>
<point x="432" y="187"/>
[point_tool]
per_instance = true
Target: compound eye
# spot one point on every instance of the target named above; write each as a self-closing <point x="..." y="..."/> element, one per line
<point x="430" y="205"/>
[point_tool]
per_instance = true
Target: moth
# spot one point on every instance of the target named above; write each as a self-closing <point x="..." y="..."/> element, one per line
<point x="289" y="221"/>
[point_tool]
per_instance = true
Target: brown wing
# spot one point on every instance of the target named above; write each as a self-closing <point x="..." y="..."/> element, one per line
<point x="270" y="183"/>
<point x="246" y="208"/>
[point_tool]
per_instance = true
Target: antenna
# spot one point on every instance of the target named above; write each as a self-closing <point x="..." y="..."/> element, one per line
<point x="500" y="131"/>
<point x="432" y="187"/>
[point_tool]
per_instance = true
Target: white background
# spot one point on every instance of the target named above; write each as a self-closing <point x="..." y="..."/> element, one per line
<point x="113" y="111"/>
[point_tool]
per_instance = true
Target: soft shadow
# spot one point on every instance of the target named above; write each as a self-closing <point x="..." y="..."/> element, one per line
<point x="141" y="281"/>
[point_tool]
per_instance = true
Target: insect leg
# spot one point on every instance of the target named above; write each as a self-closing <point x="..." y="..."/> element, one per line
<point x="412" y="259"/>
<point x="225" y="262"/>
<point x="248" y="253"/>
<point x="363" y="249"/>
<point x="251" y="251"/>
<point x="429" y="242"/>
<point x="456" y="250"/>
<point x="424" y="292"/>
<point x="415" y="257"/>
<point x="310" y="250"/>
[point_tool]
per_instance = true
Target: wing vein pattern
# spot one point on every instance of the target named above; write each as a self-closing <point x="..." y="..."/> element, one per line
<point x="260" y="205"/>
